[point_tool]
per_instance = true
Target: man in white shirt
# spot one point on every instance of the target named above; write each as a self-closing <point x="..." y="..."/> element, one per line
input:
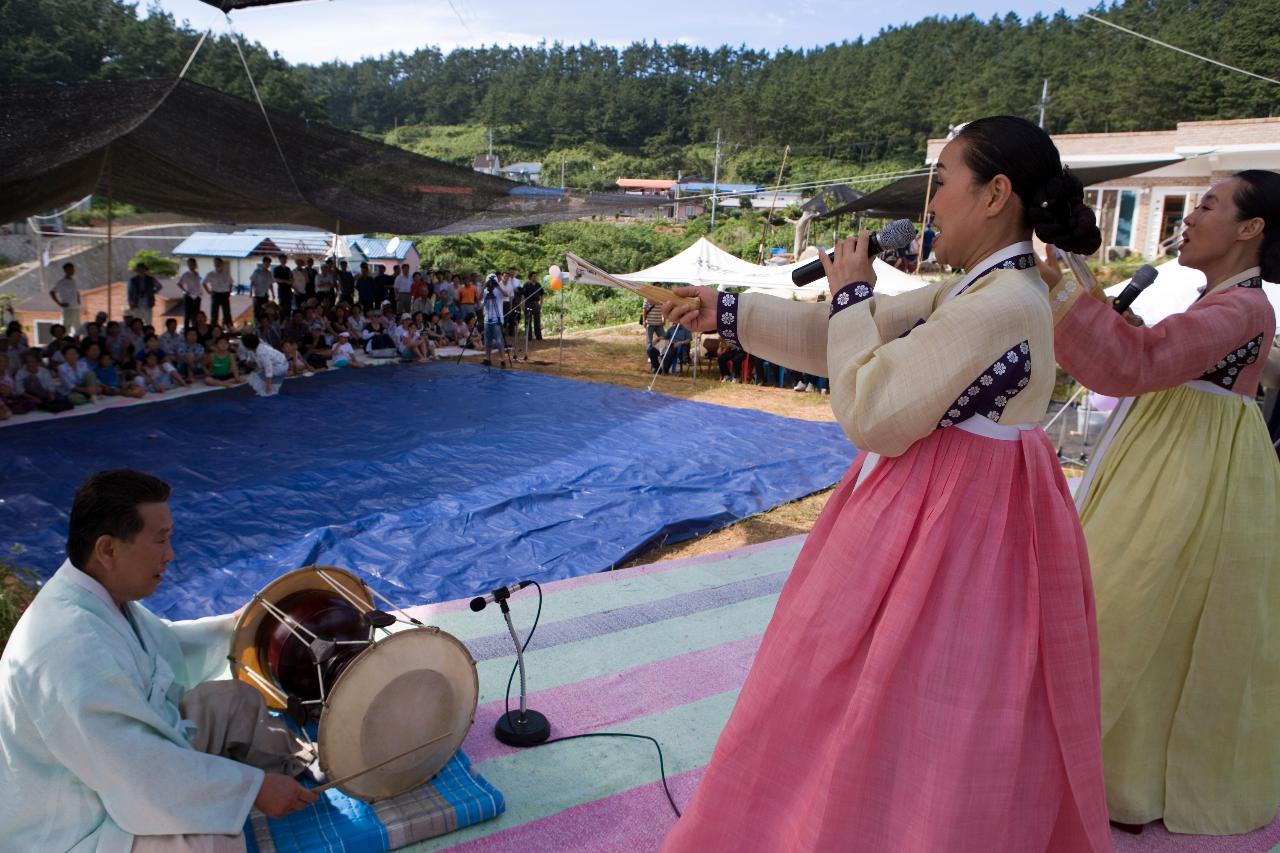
<point x="404" y="288"/>
<point x="66" y="293"/>
<point x="300" y="281"/>
<point x="327" y="280"/>
<point x="270" y="366"/>
<point x="189" y="284"/>
<point x="112" y="735"/>
<point x="218" y="284"/>
<point x="260" y="281"/>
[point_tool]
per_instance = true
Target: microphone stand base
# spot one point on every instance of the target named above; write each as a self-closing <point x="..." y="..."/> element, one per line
<point x="530" y="730"/>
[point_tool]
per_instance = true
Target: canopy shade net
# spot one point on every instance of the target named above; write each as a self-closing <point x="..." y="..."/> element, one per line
<point x="230" y="5"/>
<point x="905" y="197"/>
<point x="705" y="263"/>
<point x="177" y="146"/>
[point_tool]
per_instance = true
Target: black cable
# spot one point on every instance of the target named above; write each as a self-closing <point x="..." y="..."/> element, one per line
<point x="662" y="767"/>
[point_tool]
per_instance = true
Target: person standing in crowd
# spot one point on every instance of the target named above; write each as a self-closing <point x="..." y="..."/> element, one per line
<point x="141" y="294"/>
<point x="467" y="296"/>
<point x="491" y="304"/>
<point x="301" y="278"/>
<point x="66" y="293"/>
<point x="532" y="294"/>
<point x="929" y="679"/>
<point x="312" y="274"/>
<point x="1180" y="506"/>
<point x="366" y="288"/>
<point x="189" y="284"/>
<point x="269" y="365"/>
<point x="218" y="285"/>
<point x="284" y="286"/>
<point x="260" y="286"/>
<point x="384" y="286"/>
<point x="511" y="288"/>
<point x="327" y="280"/>
<point x="404" y="289"/>
<point x="651" y="319"/>
<point x="346" y="283"/>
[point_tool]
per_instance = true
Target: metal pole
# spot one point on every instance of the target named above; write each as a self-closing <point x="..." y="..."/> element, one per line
<point x="924" y="217"/>
<point x="109" y="218"/>
<point x="561" y="327"/>
<point x="715" y="181"/>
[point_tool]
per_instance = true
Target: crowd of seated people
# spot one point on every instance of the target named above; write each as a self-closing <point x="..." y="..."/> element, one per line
<point x="332" y="320"/>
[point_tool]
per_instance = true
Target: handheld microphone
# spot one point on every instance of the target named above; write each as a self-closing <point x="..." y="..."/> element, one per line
<point x="501" y="594"/>
<point x="896" y="235"/>
<point x="1141" y="280"/>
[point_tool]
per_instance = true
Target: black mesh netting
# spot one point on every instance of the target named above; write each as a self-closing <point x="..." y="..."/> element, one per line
<point x="181" y="147"/>
<point x="228" y="5"/>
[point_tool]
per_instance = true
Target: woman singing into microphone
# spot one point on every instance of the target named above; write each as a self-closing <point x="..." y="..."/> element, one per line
<point x="929" y="680"/>
<point x="1181" y="508"/>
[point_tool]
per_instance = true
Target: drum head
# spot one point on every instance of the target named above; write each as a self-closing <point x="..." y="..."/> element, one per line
<point x="405" y="690"/>
<point x="245" y="653"/>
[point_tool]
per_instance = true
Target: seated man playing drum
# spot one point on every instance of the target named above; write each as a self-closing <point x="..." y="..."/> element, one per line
<point x="111" y="737"/>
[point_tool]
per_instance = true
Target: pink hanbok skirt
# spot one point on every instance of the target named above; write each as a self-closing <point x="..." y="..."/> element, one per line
<point x="929" y="680"/>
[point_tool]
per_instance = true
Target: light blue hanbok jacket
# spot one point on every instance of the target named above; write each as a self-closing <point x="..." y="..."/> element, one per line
<point x="93" y="749"/>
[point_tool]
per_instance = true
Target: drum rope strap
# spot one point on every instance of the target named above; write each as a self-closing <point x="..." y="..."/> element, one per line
<point x="360" y="605"/>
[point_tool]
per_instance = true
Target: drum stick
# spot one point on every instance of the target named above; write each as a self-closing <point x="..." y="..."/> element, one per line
<point x="345" y="779"/>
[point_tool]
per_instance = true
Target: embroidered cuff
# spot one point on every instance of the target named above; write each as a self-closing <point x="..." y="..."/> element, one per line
<point x="850" y="294"/>
<point x="727" y="318"/>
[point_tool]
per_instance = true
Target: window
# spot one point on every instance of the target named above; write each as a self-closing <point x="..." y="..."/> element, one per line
<point x="1124" y="219"/>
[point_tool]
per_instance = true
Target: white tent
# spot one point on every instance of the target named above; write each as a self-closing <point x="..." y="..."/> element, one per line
<point x="1174" y="290"/>
<point x="705" y="263"/>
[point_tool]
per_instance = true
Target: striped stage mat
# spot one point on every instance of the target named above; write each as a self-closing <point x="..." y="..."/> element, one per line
<point x="660" y="650"/>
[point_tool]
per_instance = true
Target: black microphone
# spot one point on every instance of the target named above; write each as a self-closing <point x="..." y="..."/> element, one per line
<point x="1141" y="280"/>
<point x="501" y="594"/>
<point x="896" y="235"/>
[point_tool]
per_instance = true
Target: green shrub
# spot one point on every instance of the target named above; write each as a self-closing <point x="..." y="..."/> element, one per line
<point x="157" y="264"/>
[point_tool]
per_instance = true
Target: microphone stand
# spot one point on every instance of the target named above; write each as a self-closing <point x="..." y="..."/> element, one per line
<point x="529" y="728"/>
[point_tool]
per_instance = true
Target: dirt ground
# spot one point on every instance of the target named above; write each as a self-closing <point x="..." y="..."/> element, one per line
<point x="616" y="356"/>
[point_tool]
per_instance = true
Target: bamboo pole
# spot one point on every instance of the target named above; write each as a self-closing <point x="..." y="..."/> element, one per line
<point x="109" y="265"/>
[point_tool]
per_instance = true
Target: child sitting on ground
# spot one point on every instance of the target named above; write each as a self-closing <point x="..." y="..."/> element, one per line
<point x="221" y="367"/>
<point x="344" y="355"/>
<point x="159" y="376"/>
<point x="111" y="383"/>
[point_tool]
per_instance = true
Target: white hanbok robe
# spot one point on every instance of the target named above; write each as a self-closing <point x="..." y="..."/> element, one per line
<point x="93" y="749"/>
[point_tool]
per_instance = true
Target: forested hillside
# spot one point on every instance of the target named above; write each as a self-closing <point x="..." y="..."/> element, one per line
<point x="660" y="105"/>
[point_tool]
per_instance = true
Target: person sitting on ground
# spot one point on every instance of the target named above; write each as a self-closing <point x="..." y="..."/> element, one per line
<point x="269" y="327"/>
<point x="111" y="382"/>
<point x="58" y="339"/>
<point x="270" y="365"/>
<point x="448" y="328"/>
<point x="158" y="376"/>
<point x="16" y="336"/>
<point x="344" y="355"/>
<point x="11" y="393"/>
<point x="205" y="332"/>
<point x="470" y="335"/>
<point x="221" y="367"/>
<point x="77" y="377"/>
<point x="113" y="735"/>
<point x="92" y="335"/>
<point x="297" y="365"/>
<point x="432" y="329"/>
<point x="190" y="356"/>
<point x="356" y="321"/>
<point x="419" y="293"/>
<point x="37" y="383"/>
<point x="171" y="339"/>
<point x="417" y="343"/>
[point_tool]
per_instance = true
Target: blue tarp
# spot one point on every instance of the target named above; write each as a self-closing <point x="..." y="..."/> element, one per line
<point x="433" y="482"/>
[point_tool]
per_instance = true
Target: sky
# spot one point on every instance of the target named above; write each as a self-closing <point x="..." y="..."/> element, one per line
<point x="320" y="30"/>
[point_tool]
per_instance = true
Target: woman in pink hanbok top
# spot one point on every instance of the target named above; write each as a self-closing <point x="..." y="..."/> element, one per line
<point x="929" y="680"/>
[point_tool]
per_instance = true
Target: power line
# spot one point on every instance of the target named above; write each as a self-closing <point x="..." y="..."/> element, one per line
<point x="1179" y="49"/>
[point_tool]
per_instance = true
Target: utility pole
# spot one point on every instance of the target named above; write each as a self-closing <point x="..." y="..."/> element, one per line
<point x="715" y="181"/>
<point x="491" y="144"/>
<point x="1044" y="101"/>
<point x="562" y="171"/>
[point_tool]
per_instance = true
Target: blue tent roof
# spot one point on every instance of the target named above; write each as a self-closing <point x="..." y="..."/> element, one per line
<point x="708" y="186"/>
<point x="211" y="245"/>
<point x="372" y="247"/>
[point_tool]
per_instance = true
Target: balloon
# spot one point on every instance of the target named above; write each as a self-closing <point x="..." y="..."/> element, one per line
<point x="555" y="272"/>
<point x="557" y="283"/>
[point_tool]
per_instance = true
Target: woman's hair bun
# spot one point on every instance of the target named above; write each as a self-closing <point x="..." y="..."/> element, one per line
<point x="1058" y="215"/>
